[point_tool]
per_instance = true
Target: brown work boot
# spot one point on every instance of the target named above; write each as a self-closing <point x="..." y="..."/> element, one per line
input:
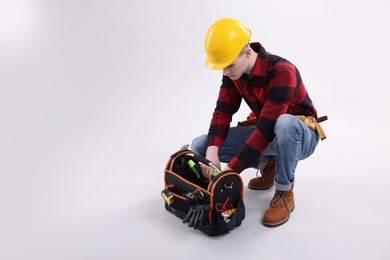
<point x="279" y="210"/>
<point x="266" y="180"/>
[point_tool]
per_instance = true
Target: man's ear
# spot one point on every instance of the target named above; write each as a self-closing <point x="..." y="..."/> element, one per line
<point x="248" y="52"/>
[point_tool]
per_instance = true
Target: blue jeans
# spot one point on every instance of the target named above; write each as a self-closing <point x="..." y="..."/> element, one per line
<point x="293" y="141"/>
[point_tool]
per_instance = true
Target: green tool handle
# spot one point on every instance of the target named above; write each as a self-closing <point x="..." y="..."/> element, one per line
<point x="194" y="168"/>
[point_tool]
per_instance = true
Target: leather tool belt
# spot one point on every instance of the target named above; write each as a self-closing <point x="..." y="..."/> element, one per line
<point x="311" y="122"/>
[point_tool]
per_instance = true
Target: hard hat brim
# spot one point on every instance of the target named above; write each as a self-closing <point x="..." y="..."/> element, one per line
<point x="217" y="66"/>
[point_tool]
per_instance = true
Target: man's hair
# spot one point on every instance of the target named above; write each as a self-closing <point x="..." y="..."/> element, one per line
<point x="244" y="49"/>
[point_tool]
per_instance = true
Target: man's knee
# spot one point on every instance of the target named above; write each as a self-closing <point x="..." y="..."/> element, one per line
<point x="285" y="120"/>
<point x="286" y="124"/>
<point x="199" y="145"/>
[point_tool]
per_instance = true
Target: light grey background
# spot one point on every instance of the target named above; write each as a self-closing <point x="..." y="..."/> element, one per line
<point x="95" y="96"/>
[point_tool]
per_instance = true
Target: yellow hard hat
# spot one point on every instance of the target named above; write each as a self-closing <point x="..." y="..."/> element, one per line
<point x="224" y="41"/>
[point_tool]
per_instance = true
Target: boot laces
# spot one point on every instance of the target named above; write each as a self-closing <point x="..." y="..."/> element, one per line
<point x="257" y="173"/>
<point x="279" y="199"/>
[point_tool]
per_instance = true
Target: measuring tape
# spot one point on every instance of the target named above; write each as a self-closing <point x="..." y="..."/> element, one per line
<point x="167" y="196"/>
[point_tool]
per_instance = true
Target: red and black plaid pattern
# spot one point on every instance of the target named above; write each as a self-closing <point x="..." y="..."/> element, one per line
<point x="274" y="88"/>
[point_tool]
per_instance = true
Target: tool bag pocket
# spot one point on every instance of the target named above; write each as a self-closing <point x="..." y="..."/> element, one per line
<point x="227" y="208"/>
<point x="213" y="206"/>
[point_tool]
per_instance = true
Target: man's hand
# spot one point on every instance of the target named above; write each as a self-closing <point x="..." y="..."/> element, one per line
<point x="212" y="156"/>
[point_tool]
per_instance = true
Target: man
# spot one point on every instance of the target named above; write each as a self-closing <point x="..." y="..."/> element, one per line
<point x="273" y="89"/>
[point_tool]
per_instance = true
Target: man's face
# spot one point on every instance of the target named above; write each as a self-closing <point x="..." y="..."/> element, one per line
<point x="237" y="68"/>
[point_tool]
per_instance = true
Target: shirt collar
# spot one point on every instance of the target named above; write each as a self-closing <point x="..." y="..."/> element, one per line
<point x="260" y="67"/>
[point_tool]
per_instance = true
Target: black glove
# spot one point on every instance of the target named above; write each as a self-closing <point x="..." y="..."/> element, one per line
<point x="196" y="215"/>
<point x="198" y="211"/>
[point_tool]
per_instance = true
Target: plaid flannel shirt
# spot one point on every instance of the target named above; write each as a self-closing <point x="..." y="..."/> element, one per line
<point x="274" y="88"/>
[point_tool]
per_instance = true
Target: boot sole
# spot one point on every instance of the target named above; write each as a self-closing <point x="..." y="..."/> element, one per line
<point x="272" y="225"/>
<point x="260" y="188"/>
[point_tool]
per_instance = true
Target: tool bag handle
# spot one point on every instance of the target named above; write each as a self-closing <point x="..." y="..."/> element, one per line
<point x="206" y="162"/>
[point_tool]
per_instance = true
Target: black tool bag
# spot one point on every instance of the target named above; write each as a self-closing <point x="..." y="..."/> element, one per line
<point x="213" y="206"/>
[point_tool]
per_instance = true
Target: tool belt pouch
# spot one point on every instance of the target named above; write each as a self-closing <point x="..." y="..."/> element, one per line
<point x="213" y="206"/>
<point x="314" y="124"/>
